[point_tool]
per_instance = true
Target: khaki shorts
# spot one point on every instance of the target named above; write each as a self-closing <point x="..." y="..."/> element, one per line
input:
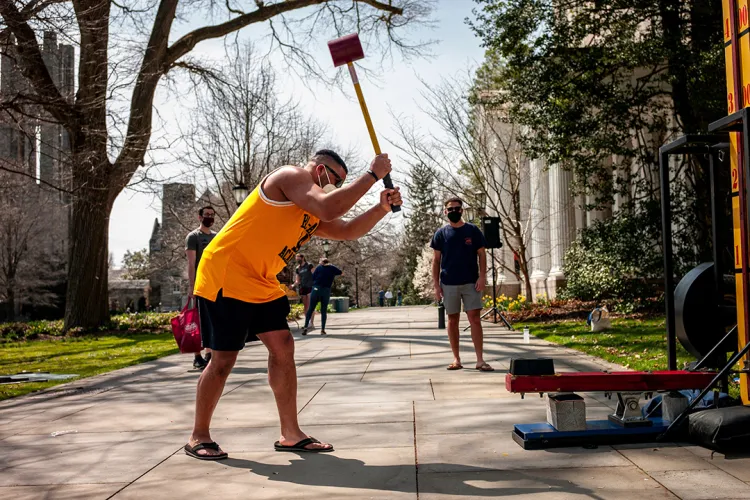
<point x="453" y="295"/>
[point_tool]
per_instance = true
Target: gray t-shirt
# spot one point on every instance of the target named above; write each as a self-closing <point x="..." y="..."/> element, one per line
<point x="198" y="240"/>
<point x="305" y="272"/>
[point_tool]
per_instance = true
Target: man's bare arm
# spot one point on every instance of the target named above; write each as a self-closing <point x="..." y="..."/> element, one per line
<point x="297" y="186"/>
<point x="436" y="274"/>
<point x="362" y="224"/>
<point x="482" y="253"/>
<point x="191" y="255"/>
<point x="350" y="230"/>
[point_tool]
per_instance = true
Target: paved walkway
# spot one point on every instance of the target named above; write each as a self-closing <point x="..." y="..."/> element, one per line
<point x="377" y="388"/>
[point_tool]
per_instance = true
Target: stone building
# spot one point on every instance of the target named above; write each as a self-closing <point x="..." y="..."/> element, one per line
<point x="551" y="215"/>
<point x="35" y="147"/>
<point x="28" y="141"/>
<point x="169" y="278"/>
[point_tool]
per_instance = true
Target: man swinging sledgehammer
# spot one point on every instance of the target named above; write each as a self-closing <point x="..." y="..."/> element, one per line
<point x="239" y="297"/>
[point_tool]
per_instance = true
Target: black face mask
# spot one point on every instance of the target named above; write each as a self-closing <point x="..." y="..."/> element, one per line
<point x="208" y="221"/>
<point x="454" y="217"/>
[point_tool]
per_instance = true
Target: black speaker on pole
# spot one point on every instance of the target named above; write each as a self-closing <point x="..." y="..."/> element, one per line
<point x="491" y="230"/>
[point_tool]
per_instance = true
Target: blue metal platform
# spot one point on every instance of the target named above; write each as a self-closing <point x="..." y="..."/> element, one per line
<point x="542" y="435"/>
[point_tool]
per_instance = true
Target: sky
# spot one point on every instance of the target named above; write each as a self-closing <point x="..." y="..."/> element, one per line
<point x="396" y="92"/>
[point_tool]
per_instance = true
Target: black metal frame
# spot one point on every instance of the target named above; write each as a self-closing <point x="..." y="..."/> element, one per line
<point x="719" y="376"/>
<point x="687" y="144"/>
<point x="494" y="308"/>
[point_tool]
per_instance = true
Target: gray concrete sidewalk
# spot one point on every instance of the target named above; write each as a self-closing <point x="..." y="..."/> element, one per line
<point x="377" y="388"/>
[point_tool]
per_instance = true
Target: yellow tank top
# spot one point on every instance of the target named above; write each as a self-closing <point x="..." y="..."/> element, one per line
<point x="253" y="247"/>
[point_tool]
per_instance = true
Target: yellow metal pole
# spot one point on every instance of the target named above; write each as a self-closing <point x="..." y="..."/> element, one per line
<point x="363" y="105"/>
<point x="370" y="129"/>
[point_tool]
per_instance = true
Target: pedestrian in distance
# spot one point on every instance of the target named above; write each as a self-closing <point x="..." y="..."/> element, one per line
<point x="400" y="298"/>
<point x="323" y="277"/>
<point x="388" y="298"/>
<point x="240" y="298"/>
<point x="459" y="267"/>
<point x="303" y="281"/>
<point x="381" y="298"/>
<point x="195" y="243"/>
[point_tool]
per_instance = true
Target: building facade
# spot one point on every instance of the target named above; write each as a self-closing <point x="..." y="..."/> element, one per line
<point x="167" y="259"/>
<point x="33" y="154"/>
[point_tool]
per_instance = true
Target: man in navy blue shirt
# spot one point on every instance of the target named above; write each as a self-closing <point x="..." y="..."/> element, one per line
<point x="321" y="292"/>
<point x="459" y="268"/>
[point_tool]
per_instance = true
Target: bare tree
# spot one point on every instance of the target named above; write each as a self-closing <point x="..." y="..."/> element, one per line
<point x="30" y="262"/>
<point x="242" y="130"/>
<point x="108" y="144"/>
<point x="479" y="158"/>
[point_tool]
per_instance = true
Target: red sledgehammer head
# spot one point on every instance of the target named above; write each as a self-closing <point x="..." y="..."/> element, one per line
<point x="346" y="49"/>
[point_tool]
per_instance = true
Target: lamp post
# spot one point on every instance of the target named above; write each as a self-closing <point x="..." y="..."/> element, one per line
<point x="240" y="192"/>
<point x="470" y="213"/>
<point x="371" y="290"/>
<point x="326" y="247"/>
<point x="481" y="198"/>
<point x="356" y="282"/>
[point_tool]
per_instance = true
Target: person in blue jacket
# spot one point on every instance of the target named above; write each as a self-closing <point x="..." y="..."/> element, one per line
<point x="323" y="277"/>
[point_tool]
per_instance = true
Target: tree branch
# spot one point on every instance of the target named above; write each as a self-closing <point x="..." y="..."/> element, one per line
<point x="263" y="13"/>
<point x="159" y="58"/>
<point x="152" y="68"/>
<point x="32" y="66"/>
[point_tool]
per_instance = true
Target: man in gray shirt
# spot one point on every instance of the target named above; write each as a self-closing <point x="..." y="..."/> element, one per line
<point x="195" y="243"/>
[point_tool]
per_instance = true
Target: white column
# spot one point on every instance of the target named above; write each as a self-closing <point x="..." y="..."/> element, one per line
<point x="539" y="241"/>
<point x="562" y="217"/>
<point x="596" y="215"/>
<point x="524" y="205"/>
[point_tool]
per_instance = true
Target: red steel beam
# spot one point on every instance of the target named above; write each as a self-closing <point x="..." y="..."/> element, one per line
<point x="608" y="382"/>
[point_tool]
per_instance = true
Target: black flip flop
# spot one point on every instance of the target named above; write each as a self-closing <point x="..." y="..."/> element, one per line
<point x="301" y="446"/>
<point x="193" y="451"/>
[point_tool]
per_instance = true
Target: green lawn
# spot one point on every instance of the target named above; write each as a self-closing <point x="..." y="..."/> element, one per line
<point x="83" y="356"/>
<point x="637" y="344"/>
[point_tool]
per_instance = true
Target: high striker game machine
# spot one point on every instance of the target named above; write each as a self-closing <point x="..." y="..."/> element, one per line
<point x="737" y="57"/>
<point x="706" y="312"/>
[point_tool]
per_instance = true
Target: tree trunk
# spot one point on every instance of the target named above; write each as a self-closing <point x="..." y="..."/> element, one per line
<point x="11" y="304"/>
<point x="86" y="304"/>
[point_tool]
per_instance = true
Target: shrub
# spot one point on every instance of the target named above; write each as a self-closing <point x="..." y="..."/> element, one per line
<point x="297" y="310"/>
<point x="612" y="259"/>
<point x="148" y="321"/>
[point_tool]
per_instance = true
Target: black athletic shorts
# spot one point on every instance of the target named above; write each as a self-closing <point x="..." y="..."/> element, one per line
<point x="227" y="324"/>
<point x="305" y="290"/>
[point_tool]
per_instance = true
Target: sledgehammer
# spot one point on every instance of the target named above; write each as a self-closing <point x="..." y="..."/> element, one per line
<point x="346" y="50"/>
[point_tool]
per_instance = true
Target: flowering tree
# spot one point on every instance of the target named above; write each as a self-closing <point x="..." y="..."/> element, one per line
<point x="423" y="275"/>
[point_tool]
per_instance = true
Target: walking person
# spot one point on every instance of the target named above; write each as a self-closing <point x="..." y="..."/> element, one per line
<point x="400" y="298"/>
<point x="459" y="268"/>
<point x="304" y="283"/>
<point x="323" y="277"/>
<point x="388" y="298"/>
<point x="195" y="243"/>
<point x="239" y="295"/>
<point x="381" y="298"/>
